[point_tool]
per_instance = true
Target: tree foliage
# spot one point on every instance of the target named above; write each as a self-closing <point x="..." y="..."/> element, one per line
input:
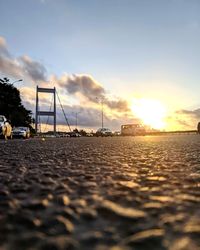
<point x="11" y="105"/>
<point x="82" y="132"/>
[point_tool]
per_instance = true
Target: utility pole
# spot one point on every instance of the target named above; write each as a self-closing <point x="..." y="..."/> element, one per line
<point x="102" y="111"/>
<point x="76" y="116"/>
<point x="76" y="119"/>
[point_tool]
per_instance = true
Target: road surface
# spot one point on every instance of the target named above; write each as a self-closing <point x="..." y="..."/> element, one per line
<point x="100" y="193"/>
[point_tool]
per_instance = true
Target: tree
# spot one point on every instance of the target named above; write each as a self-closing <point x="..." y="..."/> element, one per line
<point x="82" y="132"/>
<point x="11" y="105"/>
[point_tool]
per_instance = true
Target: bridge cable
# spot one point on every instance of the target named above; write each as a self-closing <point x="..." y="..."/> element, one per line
<point x="63" y="111"/>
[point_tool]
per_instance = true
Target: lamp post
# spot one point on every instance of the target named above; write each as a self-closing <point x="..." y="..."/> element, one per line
<point x="102" y="113"/>
<point x="20" y="80"/>
<point x="76" y="115"/>
<point x="77" y="119"/>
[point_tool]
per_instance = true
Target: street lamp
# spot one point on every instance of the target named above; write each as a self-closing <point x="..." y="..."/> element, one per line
<point x="102" y="102"/>
<point x="76" y="115"/>
<point x="20" y="80"/>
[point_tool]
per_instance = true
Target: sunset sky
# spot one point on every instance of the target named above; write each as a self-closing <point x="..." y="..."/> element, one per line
<point x="141" y="56"/>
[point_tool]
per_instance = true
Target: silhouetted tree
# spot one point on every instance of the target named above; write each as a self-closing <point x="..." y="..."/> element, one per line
<point x="82" y="132"/>
<point x="11" y="105"/>
<point x="75" y="130"/>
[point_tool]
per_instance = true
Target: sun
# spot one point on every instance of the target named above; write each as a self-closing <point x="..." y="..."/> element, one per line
<point x="151" y="112"/>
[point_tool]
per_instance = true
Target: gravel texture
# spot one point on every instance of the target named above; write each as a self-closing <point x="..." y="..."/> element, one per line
<point x="100" y="193"/>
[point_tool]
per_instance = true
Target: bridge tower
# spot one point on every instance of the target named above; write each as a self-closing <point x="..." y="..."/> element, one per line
<point x="45" y="113"/>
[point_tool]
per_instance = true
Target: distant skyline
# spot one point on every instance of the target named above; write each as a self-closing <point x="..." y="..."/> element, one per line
<point x="123" y="51"/>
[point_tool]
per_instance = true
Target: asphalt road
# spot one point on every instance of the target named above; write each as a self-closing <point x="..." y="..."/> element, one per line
<point x="100" y="193"/>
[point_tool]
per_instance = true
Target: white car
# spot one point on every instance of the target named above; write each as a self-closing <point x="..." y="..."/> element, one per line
<point x="104" y="132"/>
<point x="5" y="128"/>
<point x="23" y="132"/>
<point x="89" y="134"/>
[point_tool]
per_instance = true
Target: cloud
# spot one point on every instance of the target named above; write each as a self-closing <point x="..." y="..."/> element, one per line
<point x="87" y="118"/>
<point x="184" y="123"/>
<point x="195" y="113"/>
<point x="183" y="119"/>
<point x="3" y="47"/>
<point x="184" y="112"/>
<point x="23" y="66"/>
<point x="28" y="93"/>
<point x="8" y="65"/>
<point x="83" y="84"/>
<point x="119" y="104"/>
<point x="83" y="90"/>
<point x="33" y="69"/>
<point x="87" y="87"/>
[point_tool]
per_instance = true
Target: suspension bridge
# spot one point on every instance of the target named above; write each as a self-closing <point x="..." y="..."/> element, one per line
<point x="51" y="112"/>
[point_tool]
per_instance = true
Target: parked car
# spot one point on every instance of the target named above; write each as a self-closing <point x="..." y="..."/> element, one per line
<point x="117" y="133"/>
<point x="5" y="128"/>
<point x="89" y="134"/>
<point x="104" y="132"/>
<point x="74" y="134"/>
<point x="22" y="132"/>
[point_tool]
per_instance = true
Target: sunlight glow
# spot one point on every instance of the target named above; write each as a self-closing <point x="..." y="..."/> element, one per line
<point x="151" y="112"/>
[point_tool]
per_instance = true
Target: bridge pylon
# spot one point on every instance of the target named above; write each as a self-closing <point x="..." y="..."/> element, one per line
<point x="45" y="113"/>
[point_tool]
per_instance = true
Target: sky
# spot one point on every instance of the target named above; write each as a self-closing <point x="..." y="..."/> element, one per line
<point x="141" y="57"/>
